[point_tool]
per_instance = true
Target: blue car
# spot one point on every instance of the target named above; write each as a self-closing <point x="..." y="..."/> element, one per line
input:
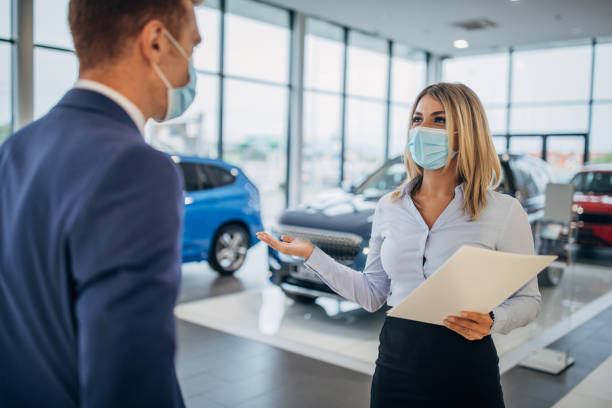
<point x="222" y="213"/>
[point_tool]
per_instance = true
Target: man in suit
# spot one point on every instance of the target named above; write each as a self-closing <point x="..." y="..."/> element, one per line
<point x="91" y="217"/>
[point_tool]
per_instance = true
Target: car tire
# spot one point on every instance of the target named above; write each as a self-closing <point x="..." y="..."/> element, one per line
<point x="229" y="249"/>
<point x="298" y="298"/>
<point x="551" y="276"/>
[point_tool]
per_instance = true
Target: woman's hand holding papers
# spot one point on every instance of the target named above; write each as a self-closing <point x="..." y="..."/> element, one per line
<point x="471" y="325"/>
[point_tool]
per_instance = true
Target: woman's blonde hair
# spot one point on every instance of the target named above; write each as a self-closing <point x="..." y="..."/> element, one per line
<point x="477" y="161"/>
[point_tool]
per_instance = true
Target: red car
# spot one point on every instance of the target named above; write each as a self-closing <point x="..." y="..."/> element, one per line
<point x="593" y="200"/>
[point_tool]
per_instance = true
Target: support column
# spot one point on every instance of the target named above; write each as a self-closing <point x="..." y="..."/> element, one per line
<point x="23" y="62"/>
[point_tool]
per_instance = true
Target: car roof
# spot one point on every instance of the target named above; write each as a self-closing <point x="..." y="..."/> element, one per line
<point x="202" y="160"/>
<point x="605" y="167"/>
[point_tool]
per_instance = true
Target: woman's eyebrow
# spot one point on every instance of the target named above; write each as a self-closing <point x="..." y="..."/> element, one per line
<point x="433" y="113"/>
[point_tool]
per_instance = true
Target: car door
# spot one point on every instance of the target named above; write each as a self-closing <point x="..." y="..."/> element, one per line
<point x="530" y="184"/>
<point x="197" y="224"/>
<point x="229" y="198"/>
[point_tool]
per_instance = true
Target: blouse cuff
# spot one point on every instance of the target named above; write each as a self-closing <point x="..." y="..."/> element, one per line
<point x="317" y="260"/>
<point x="501" y="316"/>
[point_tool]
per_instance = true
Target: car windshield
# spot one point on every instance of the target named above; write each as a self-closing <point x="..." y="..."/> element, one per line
<point x="384" y="180"/>
<point x="593" y="182"/>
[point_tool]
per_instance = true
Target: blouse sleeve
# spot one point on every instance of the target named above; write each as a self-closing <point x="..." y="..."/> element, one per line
<point x="524" y="305"/>
<point x="369" y="288"/>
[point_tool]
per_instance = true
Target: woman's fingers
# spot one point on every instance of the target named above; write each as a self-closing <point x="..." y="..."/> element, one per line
<point x="469" y="329"/>
<point x="470" y="324"/>
<point x="461" y="330"/>
<point x="268" y="240"/>
<point x="287" y="247"/>
<point x="481" y="318"/>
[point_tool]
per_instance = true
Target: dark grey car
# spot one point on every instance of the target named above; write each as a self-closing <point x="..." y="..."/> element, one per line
<point x="340" y="224"/>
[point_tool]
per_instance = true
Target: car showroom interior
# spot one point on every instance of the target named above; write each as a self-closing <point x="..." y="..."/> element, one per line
<point x="314" y="142"/>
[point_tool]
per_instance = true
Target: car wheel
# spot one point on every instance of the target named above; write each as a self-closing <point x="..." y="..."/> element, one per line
<point x="550" y="276"/>
<point x="298" y="298"/>
<point x="229" y="249"/>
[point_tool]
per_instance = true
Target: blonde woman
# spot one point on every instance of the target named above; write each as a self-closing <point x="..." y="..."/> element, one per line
<point x="448" y="201"/>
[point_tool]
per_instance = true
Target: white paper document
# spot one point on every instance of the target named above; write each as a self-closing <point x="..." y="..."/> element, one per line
<point x="473" y="279"/>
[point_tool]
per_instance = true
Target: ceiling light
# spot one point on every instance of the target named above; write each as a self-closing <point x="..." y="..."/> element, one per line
<point x="461" y="44"/>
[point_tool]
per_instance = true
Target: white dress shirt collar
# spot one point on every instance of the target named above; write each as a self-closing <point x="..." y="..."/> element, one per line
<point x="412" y="183"/>
<point x="130" y="108"/>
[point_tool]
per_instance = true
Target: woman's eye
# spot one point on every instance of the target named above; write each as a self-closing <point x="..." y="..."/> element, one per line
<point x="440" y="120"/>
<point x="416" y="119"/>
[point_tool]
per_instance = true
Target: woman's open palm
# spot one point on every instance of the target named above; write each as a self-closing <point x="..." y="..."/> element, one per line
<point x="288" y="245"/>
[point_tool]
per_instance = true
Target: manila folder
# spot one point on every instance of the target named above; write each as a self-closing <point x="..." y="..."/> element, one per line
<point x="473" y="279"/>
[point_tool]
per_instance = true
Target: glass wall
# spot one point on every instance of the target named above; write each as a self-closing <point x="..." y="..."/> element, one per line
<point x="6" y="111"/>
<point x="487" y="76"/>
<point x="367" y="73"/>
<point x="408" y="77"/>
<point x="376" y="105"/>
<point x="6" y="107"/>
<point x="241" y="110"/>
<point x="323" y="86"/>
<point x="5" y="19"/>
<point x="51" y="24"/>
<point x="550" y="96"/>
<point x="54" y="73"/>
<point x="55" y="64"/>
<point x="601" y="126"/>
<point x="255" y="116"/>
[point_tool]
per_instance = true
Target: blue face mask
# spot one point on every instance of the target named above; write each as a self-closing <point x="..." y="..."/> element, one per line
<point x="429" y="147"/>
<point x="179" y="99"/>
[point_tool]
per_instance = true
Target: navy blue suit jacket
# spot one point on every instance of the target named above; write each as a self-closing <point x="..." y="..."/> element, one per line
<point x="90" y="227"/>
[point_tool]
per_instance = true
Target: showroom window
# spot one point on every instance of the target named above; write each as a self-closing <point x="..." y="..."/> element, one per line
<point x="6" y="45"/>
<point x="601" y="127"/>
<point x="550" y="94"/>
<point x="366" y="106"/>
<point x="487" y="76"/>
<point x="256" y="94"/>
<point x="55" y="64"/>
<point x="323" y="83"/>
<point x="408" y="77"/>
<point x="55" y="72"/>
<point x="531" y="145"/>
<point x="196" y="132"/>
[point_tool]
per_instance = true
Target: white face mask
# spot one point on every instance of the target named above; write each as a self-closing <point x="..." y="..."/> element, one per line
<point x="179" y="99"/>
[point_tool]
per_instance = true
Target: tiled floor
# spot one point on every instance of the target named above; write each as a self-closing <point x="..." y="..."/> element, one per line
<point x="593" y="391"/>
<point x="590" y="345"/>
<point x="220" y="370"/>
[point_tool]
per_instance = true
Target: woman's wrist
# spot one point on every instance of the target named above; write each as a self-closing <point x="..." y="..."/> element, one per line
<point x="309" y="251"/>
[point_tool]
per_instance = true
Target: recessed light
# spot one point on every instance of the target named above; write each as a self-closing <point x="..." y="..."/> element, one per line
<point x="461" y="44"/>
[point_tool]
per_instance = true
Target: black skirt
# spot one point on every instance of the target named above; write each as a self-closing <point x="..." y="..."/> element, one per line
<point x="425" y="365"/>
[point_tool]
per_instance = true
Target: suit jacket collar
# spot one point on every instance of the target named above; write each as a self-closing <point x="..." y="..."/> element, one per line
<point x="85" y="99"/>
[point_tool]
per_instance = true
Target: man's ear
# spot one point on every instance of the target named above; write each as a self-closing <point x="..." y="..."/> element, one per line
<point x="151" y="41"/>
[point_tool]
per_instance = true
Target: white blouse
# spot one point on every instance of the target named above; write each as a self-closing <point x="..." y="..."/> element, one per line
<point x="403" y="252"/>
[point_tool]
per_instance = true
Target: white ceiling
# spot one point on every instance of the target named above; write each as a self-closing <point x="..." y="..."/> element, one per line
<point x="429" y="24"/>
